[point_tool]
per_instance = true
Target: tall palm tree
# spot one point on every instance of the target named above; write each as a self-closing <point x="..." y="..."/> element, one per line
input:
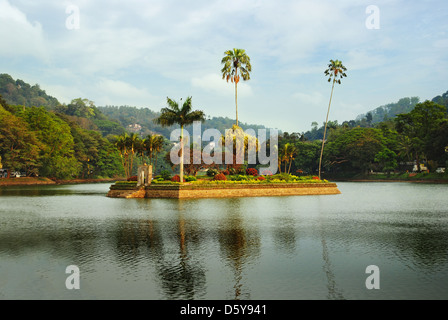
<point x="132" y="144"/>
<point x="153" y="145"/>
<point x="236" y="63"/>
<point x="121" y="145"/>
<point x="335" y="71"/>
<point x="292" y="151"/>
<point x="182" y="116"/>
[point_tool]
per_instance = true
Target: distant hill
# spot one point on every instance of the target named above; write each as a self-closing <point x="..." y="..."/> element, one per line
<point x="442" y="100"/>
<point x="141" y="120"/>
<point x="18" y="92"/>
<point x="390" y="111"/>
<point x="106" y="119"/>
<point x="375" y="116"/>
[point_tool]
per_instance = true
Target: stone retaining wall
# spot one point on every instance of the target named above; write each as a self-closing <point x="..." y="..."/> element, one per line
<point x="226" y="191"/>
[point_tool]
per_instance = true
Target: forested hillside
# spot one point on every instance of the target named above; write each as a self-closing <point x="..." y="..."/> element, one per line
<point x="18" y="92"/>
<point x="141" y="120"/>
<point x="43" y="143"/>
<point x="415" y="140"/>
<point x="375" y="116"/>
<point x="42" y="137"/>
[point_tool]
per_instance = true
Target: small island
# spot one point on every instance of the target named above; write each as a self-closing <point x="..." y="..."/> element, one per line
<point x="221" y="185"/>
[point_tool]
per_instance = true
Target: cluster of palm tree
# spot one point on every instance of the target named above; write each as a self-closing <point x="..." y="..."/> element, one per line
<point x="132" y="146"/>
<point x="236" y="65"/>
<point x="286" y="154"/>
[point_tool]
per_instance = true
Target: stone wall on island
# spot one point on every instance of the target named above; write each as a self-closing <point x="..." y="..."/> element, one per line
<point x="195" y="191"/>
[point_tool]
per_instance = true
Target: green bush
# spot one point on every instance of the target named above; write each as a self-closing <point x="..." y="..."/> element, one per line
<point x="239" y="177"/>
<point x="166" y="175"/>
<point x="212" y="172"/>
<point x="190" y="178"/>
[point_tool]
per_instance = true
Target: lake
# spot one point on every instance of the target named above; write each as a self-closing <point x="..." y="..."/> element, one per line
<point x="268" y="248"/>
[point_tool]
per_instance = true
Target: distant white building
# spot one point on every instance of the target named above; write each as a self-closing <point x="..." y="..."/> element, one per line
<point x="134" y="128"/>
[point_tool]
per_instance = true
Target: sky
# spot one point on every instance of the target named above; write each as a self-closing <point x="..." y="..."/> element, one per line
<point x="138" y="53"/>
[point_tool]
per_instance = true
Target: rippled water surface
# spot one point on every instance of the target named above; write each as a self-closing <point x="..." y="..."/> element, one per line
<point x="300" y="247"/>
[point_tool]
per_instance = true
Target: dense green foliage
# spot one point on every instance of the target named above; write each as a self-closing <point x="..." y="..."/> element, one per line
<point x="40" y="142"/>
<point x="79" y="140"/>
<point x="18" y="92"/>
<point x="417" y="137"/>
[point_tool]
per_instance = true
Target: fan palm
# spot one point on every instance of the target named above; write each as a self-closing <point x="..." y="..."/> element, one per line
<point x="336" y="71"/>
<point x="236" y="63"/>
<point x="182" y="116"/>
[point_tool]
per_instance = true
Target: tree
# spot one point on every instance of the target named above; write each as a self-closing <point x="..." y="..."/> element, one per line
<point x="182" y="116"/>
<point x="153" y="144"/>
<point x="57" y="153"/>
<point x="336" y="70"/>
<point x="236" y="63"/>
<point x="387" y="160"/>
<point x="426" y="127"/>
<point x="19" y="147"/>
<point x="122" y="148"/>
<point x="354" y="149"/>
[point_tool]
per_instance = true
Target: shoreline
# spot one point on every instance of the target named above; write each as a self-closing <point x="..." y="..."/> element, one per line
<point x="28" y="181"/>
<point x="439" y="181"/>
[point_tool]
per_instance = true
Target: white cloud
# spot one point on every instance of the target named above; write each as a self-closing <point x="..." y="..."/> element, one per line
<point x="214" y="83"/>
<point x="19" y="36"/>
<point x="115" y="92"/>
<point x="309" y="99"/>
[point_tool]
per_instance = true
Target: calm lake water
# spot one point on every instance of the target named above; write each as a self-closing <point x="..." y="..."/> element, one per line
<point x="289" y="248"/>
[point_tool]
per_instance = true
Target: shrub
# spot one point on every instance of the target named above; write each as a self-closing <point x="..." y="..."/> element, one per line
<point x="316" y="178"/>
<point x="176" y="178"/>
<point x="212" y="172"/>
<point x="220" y="176"/>
<point x="190" y="178"/>
<point x="133" y="178"/>
<point x="225" y="172"/>
<point x="165" y="174"/>
<point x="239" y="178"/>
<point x="251" y="172"/>
<point x="261" y="178"/>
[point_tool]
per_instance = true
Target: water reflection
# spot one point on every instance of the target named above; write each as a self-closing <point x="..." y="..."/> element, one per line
<point x="239" y="245"/>
<point x="170" y="249"/>
<point x="229" y="248"/>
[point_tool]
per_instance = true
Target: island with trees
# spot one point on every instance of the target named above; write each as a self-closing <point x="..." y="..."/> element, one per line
<point x="46" y="141"/>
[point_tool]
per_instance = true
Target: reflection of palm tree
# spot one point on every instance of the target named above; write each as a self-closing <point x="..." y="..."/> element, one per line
<point x="182" y="277"/>
<point x="238" y="245"/>
<point x="333" y="291"/>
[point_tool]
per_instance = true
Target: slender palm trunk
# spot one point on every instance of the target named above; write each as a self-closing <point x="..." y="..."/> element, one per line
<point x="290" y="162"/>
<point x="325" y="129"/>
<point x="181" y="154"/>
<point x="236" y="101"/>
